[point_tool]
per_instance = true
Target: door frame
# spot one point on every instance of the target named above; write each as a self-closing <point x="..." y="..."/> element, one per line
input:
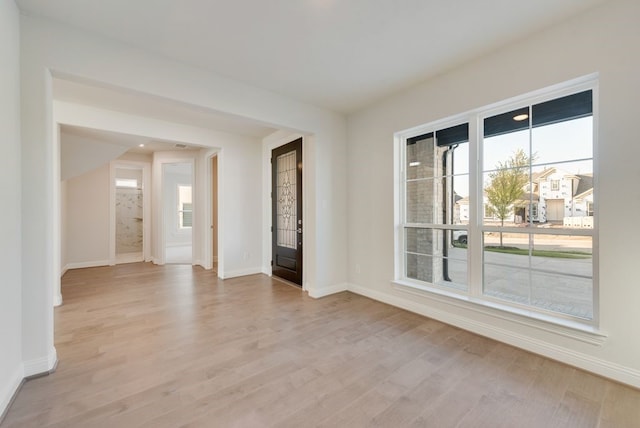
<point x="295" y="252"/>
<point x="282" y="138"/>
<point x="146" y="206"/>
<point x="207" y="198"/>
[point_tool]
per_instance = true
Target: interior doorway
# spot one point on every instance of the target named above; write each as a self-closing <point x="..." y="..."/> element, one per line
<point x="129" y="214"/>
<point x="177" y="206"/>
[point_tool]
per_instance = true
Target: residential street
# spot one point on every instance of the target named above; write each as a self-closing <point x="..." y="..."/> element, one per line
<point x="557" y="284"/>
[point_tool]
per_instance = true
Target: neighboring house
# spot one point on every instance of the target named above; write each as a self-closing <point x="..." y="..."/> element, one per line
<point x="553" y="196"/>
<point x="462" y="210"/>
<point x="563" y="194"/>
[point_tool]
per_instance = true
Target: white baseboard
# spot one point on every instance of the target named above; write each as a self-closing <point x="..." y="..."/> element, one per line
<point x="326" y="291"/>
<point x="129" y="258"/>
<point x="82" y="265"/>
<point x="41" y="366"/>
<point x="57" y="299"/>
<point x="592" y="364"/>
<point x="239" y="272"/>
<point x="10" y="389"/>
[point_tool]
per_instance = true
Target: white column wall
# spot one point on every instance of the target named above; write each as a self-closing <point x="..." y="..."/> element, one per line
<point x="239" y="197"/>
<point x="40" y="214"/>
<point x="11" y="369"/>
<point x="603" y="40"/>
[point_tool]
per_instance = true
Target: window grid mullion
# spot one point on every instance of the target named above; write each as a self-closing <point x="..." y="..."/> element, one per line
<point x="474" y="246"/>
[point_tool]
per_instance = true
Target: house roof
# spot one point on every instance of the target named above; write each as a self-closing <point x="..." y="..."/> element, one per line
<point x="585" y="184"/>
<point x="539" y="175"/>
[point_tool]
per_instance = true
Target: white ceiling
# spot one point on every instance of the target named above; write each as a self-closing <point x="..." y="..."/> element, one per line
<point x="338" y="54"/>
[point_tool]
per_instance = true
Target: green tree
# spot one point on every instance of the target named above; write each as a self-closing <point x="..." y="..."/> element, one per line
<point x="507" y="184"/>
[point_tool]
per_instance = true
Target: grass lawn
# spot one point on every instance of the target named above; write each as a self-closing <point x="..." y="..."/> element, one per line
<point x="540" y="253"/>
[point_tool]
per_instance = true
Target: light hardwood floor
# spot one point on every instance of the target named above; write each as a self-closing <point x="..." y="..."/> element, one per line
<point x="173" y="346"/>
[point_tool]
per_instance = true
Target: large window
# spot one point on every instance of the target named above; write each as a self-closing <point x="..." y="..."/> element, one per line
<point x="516" y="226"/>
<point x="437" y="177"/>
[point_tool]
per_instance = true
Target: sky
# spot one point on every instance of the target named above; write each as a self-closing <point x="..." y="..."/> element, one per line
<point x="558" y="145"/>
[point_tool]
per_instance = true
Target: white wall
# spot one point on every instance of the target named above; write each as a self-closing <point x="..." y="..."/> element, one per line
<point x="131" y="173"/>
<point x="11" y="371"/>
<point x="603" y="40"/>
<point x="81" y="154"/>
<point x="239" y="204"/>
<point x="136" y="157"/>
<point x="87" y="220"/>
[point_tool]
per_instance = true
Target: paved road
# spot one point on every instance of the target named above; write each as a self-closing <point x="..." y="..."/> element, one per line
<point x="557" y="284"/>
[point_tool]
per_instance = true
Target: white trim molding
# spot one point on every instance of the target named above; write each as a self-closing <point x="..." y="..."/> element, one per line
<point x="41" y="366"/>
<point x="592" y="364"/>
<point x="565" y="327"/>
<point x="129" y="258"/>
<point x="10" y="390"/>
<point x="239" y="272"/>
<point x="327" y="291"/>
<point x="82" y="265"/>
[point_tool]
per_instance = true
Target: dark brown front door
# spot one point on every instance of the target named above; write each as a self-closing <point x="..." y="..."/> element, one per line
<point x="286" y="201"/>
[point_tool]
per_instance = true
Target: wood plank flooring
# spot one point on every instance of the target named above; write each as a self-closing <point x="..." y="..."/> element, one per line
<point x="173" y="346"/>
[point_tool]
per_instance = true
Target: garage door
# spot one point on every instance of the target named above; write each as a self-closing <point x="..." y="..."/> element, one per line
<point x="555" y="209"/>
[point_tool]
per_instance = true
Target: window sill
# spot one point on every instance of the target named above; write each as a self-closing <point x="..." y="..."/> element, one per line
<point x="557" y="325"/>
